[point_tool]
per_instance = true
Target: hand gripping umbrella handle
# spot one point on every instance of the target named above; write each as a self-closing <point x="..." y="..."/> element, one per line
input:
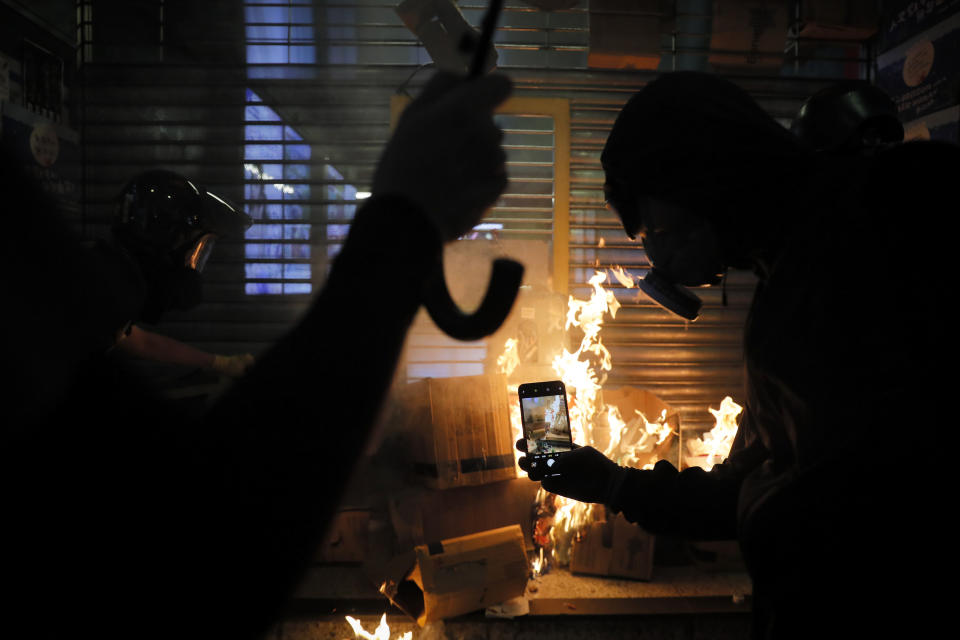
<point x="493" y="310"/>
<point x="507" y="274"/>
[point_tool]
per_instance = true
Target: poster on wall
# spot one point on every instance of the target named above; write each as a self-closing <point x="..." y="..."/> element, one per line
<point x="904" y="19"/>
<point x="49" y="152"/>
<point x="922" y="74"/>
<point x="941" y="125"/>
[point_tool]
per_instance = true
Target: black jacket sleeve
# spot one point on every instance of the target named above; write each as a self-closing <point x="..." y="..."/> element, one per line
<point x="691" y="504"/>
<point x="284" y="441"/>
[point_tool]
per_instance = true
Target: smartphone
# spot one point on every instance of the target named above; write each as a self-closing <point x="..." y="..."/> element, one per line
<point x="546" y="422"/>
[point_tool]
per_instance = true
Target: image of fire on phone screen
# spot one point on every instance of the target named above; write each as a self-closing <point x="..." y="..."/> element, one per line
<point x="546" y="423"/>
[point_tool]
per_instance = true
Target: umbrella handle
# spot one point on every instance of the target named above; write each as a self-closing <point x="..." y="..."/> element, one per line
<point x="493" y="310"/>
<point x="507" y="274"/>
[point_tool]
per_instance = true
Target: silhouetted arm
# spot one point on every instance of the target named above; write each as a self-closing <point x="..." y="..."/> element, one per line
<point x="284" y="440"/>
<point x="693" y="504"/>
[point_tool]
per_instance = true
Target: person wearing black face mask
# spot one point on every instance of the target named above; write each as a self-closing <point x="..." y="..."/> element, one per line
<point x="164" y="231"/>
<point x="837" y="527"/>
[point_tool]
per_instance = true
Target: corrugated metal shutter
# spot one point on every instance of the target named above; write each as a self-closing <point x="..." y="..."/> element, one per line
<point x="168" y="83"/>
<point x="519" y="226"/>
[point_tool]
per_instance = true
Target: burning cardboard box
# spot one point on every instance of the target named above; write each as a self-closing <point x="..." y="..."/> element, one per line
<point x="648" y="428"/>
<point x="458" y="575"/>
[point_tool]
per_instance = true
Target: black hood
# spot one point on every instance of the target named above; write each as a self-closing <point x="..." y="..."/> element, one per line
<point x="701" y="141"/>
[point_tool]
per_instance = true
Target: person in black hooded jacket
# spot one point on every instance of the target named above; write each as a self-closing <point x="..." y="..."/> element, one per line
<point x="834" y="485"/>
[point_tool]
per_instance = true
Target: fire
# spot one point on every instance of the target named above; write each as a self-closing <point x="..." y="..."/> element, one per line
<point x="506" y="363"/>
<point x="592" y="422"/>
<point x="623" y="277"/>
<point x="714" y="445"/>
<point x="645" y="435"/>
<point x="578" y="370"/>
<point x="583" y="372"/>
<point x="628" y="441"/>
<point x="382" y="632"/>
<point x="538" y="564"/>
<point x="510" y="358"/>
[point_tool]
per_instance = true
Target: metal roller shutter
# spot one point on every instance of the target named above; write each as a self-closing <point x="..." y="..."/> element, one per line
<point x="284" y="106"/>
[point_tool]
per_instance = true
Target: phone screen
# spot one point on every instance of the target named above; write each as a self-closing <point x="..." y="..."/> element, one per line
<point x="546" y="421"/>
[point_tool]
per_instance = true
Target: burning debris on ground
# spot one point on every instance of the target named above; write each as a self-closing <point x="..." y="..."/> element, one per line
<point x="454" y="438"/>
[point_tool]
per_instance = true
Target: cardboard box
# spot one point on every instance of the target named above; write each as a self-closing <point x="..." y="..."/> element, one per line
<point x="459" y="575"/>
<point x="614" y="548"/>
<point x="749" y="34"/>
<point x="626" y="34"/>
<point x="421" y="515"/>
<point x="459" y="430"/>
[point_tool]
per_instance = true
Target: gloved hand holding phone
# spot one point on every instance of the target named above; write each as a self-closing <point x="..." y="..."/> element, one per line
<point x="583" y="474"/>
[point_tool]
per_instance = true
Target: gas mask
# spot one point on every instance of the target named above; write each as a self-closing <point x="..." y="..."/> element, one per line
<point x="173" y="280"/>
<point x="199" y="252"/>
<point x="169" y="226"/>
<point x="682" y="248"/>
<point x="671" y="296"/>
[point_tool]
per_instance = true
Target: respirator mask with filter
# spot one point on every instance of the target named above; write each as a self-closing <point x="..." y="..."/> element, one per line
<point x="682" y="248"/>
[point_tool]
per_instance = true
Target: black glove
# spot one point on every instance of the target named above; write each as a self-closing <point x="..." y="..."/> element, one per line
<point x="583" y="474"/>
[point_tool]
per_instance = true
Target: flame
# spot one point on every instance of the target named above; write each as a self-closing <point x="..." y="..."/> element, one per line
<point x="510" y="358"/>
<point x="506" y="363"/>
<point x="578" y="370"/>
<point x="623" y="277"/>
<point x="583" y="372"/>
<point x="538" y="564"/>
<point x="382" y="632"/>
<point x="630" y="442"/>
<point x="646" y="436"/>
<point x="714" y="446"/>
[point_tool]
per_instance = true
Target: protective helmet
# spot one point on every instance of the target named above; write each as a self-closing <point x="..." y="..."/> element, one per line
<point x="848" y="116"/>
<point x="163" y="214"/>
